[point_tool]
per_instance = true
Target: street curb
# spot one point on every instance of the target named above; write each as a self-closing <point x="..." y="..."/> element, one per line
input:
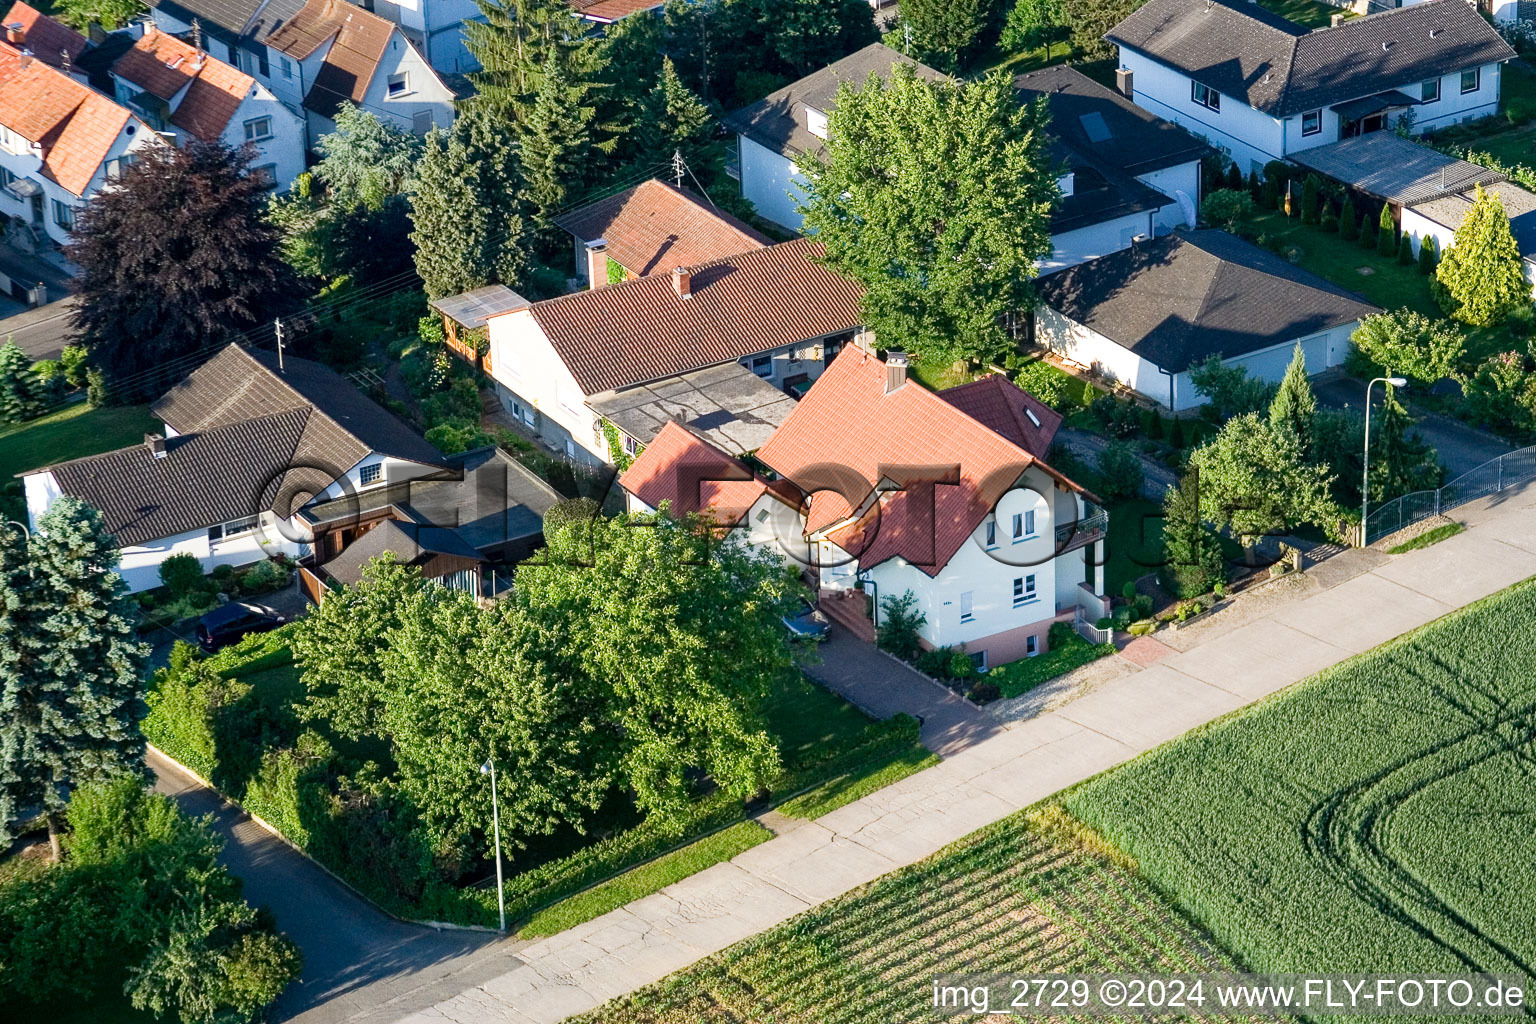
<point x="441" y="926"/>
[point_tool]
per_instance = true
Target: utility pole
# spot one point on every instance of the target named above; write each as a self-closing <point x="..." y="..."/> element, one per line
<point x="278" y="326"/>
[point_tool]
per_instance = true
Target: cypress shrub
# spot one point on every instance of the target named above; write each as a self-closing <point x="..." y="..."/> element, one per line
<point x="1234" y="176"/>
<point x="1329" y="221"/>
<point x="1255" y="187"/>
<point x="1368" y="232"/>
<point x="1349" y="221"/>
<point x="1405" y="250"/>
<point x="1429" y="255"/>
<point x="1176" y="433"/>
<point x="1309" y="199"/>
<point x="1386" y="236"/>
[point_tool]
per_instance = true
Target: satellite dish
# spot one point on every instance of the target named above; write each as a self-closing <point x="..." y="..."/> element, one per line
<point x="1014" y="502"/>
<point x="1186" y="206"/>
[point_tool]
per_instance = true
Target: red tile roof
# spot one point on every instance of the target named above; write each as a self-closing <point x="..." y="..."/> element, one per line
<point x="611" y="10"/>
<point x="642" y="330"/>
<point x="46" y="38"/>
<point x="996" y="402"/>
<point x="74" y="126"/>
<point x="848" y="435"/>
<point x="683" y="468"/>
<point x="163" y="65"/>
<point x="654" y="227"/>
<point x="353" y="58"/>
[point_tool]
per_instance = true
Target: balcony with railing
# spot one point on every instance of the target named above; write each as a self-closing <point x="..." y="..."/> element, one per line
<point x="1081" y="532"/>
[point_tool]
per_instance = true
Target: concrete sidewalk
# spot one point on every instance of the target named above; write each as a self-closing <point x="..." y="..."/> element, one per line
<point x="903" y="823"/>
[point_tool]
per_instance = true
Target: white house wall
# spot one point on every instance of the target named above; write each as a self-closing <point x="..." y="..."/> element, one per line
<point x="767" y="181"/>
<point x="1170" y="181"/>
<point x="284" y="151"/>
<point x="1070" y="248"/>
<point x="1417" y="227"/>
<point x="530" y="373"/>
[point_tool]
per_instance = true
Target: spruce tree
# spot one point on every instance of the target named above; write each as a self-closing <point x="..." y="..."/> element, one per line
<point x="1294" y="406"/>
<point x="671" y="118"/>
<point x="1349" y="221"/>
<point x="1401" y="461"/>
<point x="1480" y="275"/>
<point x="21" y="391"/>
<point x="1386" y="234"/>
<point x="1195" y="562"/>
<point x="556" y="141"/>
<point x="513" y="44"/>
<point x="72" y="667"/>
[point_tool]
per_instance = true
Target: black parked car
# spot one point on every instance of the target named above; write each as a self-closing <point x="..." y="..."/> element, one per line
<point x="805" y="621"/>
<point x="227" y="624"/>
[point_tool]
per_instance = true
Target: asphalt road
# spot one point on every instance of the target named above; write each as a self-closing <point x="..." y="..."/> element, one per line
<point x="42" y="332"/>
<point x="355" y="957"/>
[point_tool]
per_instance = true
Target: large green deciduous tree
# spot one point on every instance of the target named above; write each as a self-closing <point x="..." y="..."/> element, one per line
<point x="936" y="197"/>
<point x="1409" y="344"/>
<point x="466" y="207"/>
<point x="174" y="259"/>
<point x="1255" y="481"/>
<point x="1480" y="277"/>
<point x="109" y="14"/>
<point x="71" y="688"/>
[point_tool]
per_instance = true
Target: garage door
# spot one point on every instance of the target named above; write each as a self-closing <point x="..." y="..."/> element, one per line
<point x="1271" y="365"/>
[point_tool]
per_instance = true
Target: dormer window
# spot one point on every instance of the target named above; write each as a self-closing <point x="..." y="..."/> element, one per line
<point x="816" y="122"/>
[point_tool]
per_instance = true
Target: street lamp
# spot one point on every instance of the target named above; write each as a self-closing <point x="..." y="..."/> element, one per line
<point x="1365" y="483"/>
<point x="501" y="901"/>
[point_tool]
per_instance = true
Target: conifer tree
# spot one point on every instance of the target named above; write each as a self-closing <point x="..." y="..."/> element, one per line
<point x="556" y="141"/>
<point x="1368" y="232"/>
<point x="1349" y="221"/>
<point x="1386" y="233"/>
<point x="1294" y="406"/>
<point x="1428" y="255"/>
<point x="1480" y="277"/>
<point x="1195" y="562"/>
<point x="1309" y="196"/>
<point x="1401" y="461"/>
<point x="22" y="393"/>
<point x="672" y="117"/>
<point x="513" y="44"/>
<point x="71" y="668"/>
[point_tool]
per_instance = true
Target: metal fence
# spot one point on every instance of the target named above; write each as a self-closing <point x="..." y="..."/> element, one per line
<point x="1090" y="631"/>
<point x="1493" y="476"/>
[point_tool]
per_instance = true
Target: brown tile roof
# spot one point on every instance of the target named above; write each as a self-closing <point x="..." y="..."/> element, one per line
<point x="163" y="65"/>
<point x="642" y="330"/>
<point x="74" y="126"/>
<point x="996" y="402"/>
<point x="848" y="435"/>
<point x="654" y="227"/>
<point x="683" y="468"/>
<point x="238" y="385"/>
<point x="46" y="38"/>
<point x="611" y="10"/>
<point x="350" y="63"/>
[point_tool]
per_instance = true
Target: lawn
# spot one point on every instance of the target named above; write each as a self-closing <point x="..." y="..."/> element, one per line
<point x="70" y="433"/>
<point x="1029" y="895"/>
<point x="1068" y="651"/>
<point x="1427" y="538"/>
<point x="1389" y="284"/>
<point x="1374" y="818"/>
<point x="1309" y="13"/>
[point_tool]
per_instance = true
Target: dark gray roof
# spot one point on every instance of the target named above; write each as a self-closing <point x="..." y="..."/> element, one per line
<point x="239" y="384"/>
<point x="1365" y="106"/>
<point x="1390" y="167"/>
<point x="410" y="543"/>
<point x="1117" y="141"/>
<point x="491" y="499"/>
<point x="1519" y="204"/>
<point x="730" y="405"/>
<point x="777" y="121"/>
<point x="1276" y="66"/>
<point x="223" y="19"/>
<point x="206" y="477"/>
<point x="1174" y="301"/>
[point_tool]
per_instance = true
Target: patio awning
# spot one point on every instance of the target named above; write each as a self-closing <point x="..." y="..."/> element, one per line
<point x="24" y="188"/>
<point x="1354" y="110"/>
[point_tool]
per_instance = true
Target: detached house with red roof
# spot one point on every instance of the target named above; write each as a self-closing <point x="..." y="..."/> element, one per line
<point x="885" y="487"/>
<point x="60" y="141"/>
<point x="184" y="93"/>
<point x="721" y="345"/>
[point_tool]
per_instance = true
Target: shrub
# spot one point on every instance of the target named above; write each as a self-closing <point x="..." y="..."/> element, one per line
<point x="1405" y="255"/>
<point x="72" y="361"/>
<point x="455" y="436"/>
<point x="1329" y="221"/>
<point x="899" y="622"/>
<point x="985" y="691"/>
<point x="1122" y="470"/>
<point x="1045" y="382"/>
<point x="1368" y="232"/>
<point x="264" y="577"/>
<point x="1143" y="628"/>
<point x="1141" y="607"/>
<point x="1176" y="433"/>
<point x="1386" y="235"/>
<point x="1152" y="424"/>
<point x="182" y="574"/>
<point x="1067" y="651"/>
<point x="1349" y="221"/>
<point x="961" y="666"/>
<point x="1309" y="199"/>
<point x="1120" y="419"/>
<point x="1429" y="255"/>
<point x="1129" y="591"/>
<point x="1227" y="208"/>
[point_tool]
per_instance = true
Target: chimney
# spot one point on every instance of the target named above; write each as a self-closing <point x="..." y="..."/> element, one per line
<point x="895" y="370"/>
<point x="156" y="445"/>
<point x="682" y="280"/>
<point x="16" y="33"/>
<point x="1335" y="20"/>
<point x="597" y="262"/>
<point x="1125" y="82"/>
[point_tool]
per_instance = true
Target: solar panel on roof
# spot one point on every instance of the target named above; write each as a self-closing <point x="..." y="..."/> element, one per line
<point x="1094" y="126"/>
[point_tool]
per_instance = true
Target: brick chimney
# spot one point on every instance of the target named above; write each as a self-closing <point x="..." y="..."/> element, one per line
<point x="597" y="262"/>
<point x="895" y="370"/>
<point x="16" y="33"/>
<point x="156" y="445"/>
<point x="1125" y="82"/>
<point x="682" y="281"/>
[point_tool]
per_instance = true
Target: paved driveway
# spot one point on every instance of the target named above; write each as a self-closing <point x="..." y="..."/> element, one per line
<point x="1459" y="446"/>
<point x="883" y="686"/>
<point x="355" y="957"/>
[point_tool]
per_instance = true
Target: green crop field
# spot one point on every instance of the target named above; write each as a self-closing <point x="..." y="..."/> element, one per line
<point x="1378" y="817"/>
<point x="1032" y="893"/>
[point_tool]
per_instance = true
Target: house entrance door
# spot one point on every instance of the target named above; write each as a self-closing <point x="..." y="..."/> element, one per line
<point x="37" y="211"/>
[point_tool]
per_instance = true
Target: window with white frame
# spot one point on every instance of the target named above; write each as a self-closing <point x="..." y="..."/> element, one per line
<point x="1471" y="80"/>
<point x="1312" y="122"/>
<point x="991" y="533"/>
<point x="286" y="66"/>
<point x="1023" y="525"/>
<point x="64" y="215"/>
<point x="1023" y="590"/>
<point x="399" y="85"/>
<point x="1429" y="91"/>
<point x="762" y="515"/>
<point x="267" y="173"/>
<point x="370" y="474"/>
<point x="233" y="528"/>
<point x="966" y="614"/>
<point x="1205" y="96"/>
<point x="1031" y="646"/>
<point x="979" y="659"/>
<point x="258" y="128"/>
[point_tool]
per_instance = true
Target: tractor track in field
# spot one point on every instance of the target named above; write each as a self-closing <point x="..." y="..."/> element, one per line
<point x="1345" y="831"/>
